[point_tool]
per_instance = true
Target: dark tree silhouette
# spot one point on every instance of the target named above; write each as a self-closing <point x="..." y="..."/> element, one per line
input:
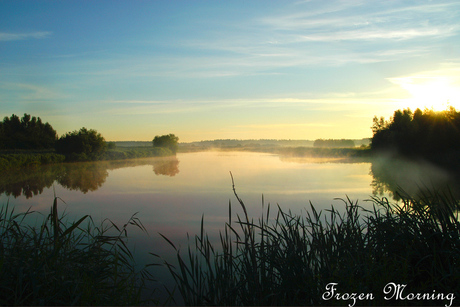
<point x="81" y="145"/>
<point x="168" y="141"/>
<point x="427" y="134"/>
<point x="26" y="133"/>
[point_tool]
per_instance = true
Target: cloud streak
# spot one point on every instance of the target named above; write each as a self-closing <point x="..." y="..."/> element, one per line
<point x="4" y="36"/>
<point x="326" y="36"/>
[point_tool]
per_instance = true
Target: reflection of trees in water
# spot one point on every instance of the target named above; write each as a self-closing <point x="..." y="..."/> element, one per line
<point x="166" y="166"/>
<point x="84" y="177"/>
<point x="28" y="182"/>
<point x="393" y="175"/>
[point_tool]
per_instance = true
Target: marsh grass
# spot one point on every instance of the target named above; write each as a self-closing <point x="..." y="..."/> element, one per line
<point x="289" y="259"/>
<point x="59" y="263"/>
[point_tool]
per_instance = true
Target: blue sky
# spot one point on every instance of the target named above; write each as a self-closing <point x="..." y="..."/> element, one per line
<point x="226" y="69"/>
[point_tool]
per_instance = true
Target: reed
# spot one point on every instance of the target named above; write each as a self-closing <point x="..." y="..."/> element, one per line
<point x="60" y="263"/>
<point x="289" y="259"/>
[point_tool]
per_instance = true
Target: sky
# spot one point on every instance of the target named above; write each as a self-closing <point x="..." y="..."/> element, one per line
<point x="208" y="70"/>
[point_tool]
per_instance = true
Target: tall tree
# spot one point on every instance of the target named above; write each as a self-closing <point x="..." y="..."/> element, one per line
<point x="26" y="133"/>
<point x="419" y="133"/>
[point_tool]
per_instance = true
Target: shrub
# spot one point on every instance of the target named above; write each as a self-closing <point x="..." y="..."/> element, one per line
<point x="166" y="141"/>
<point x="81" y="145"/>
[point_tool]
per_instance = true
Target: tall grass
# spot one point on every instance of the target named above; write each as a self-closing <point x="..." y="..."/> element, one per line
<point x="58" y="263"/>
<point x="289" y="259"/>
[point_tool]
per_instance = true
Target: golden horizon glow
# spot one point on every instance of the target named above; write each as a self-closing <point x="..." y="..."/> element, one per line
<point x="437" y="93"/>
<point x="271" y="69"/>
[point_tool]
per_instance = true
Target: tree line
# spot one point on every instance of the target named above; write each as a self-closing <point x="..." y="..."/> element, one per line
<point x="26" y="133"/>
<point x="420" y="133"/>
<point x="334" y="143"/>
<point x="30" y="133"/>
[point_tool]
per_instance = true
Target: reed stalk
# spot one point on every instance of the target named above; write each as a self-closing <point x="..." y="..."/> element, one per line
<point x="289" y="259"/>
<point x="57" y="263"/>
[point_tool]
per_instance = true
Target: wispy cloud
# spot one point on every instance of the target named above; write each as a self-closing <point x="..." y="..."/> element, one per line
<point x="366" y="16"/>
<point x="4" y="36"/>
<point x="335" y="102"/>
<point x="327" y="34"/>
<point x="377" y="34"/>
<point x="31" y="92"/>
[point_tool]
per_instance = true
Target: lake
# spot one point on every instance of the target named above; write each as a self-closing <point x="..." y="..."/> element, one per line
<point x="170" y="195"/>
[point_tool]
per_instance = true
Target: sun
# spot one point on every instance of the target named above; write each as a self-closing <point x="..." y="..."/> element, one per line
<point x="432" y="92"/>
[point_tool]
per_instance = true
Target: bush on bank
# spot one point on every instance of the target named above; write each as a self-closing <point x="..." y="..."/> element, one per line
<point x="82" y="145"/>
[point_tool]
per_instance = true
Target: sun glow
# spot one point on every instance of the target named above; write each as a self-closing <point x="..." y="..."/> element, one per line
<point x="432" y="92"/>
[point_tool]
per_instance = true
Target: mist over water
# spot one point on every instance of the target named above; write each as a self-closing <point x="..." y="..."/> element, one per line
<point x="177" y="191"/>
<point x="395" y="175"/>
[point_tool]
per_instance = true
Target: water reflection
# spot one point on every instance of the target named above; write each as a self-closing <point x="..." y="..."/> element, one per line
<point x="166" y="167"/>
<point x="393" y="175"/>
<point x="26" y="182"/>
<point x="304" y="175"/>
<point x="84" y="177"/>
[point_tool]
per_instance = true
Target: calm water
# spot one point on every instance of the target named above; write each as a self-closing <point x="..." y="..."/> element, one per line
<point x="171" y="194"/>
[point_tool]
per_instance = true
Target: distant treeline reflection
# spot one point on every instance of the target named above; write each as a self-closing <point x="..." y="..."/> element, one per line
<point x="84" y="177"/>
<point x="399" y="176"/>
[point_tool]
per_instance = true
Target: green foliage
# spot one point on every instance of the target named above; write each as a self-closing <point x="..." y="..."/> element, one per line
<point x="290" y="259"/>
<point x="26" y="133"/>
<point x="18" y="160"/>
<point x="426" y="133"/>
<point x="342" y="143"/>
<point x="81" y="145"/>
<point x="111" y="145"/>
<point x="136" y="152"/>
<point x="67" y="264"/>
<point x="168" y="141"/>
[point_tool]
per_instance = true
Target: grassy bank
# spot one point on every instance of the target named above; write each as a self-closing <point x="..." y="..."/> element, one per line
<point x="122" y="153"/>
<point x="19" y="159"/>
<point x="24" y="158"/>
<point x="290" y="259"/>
